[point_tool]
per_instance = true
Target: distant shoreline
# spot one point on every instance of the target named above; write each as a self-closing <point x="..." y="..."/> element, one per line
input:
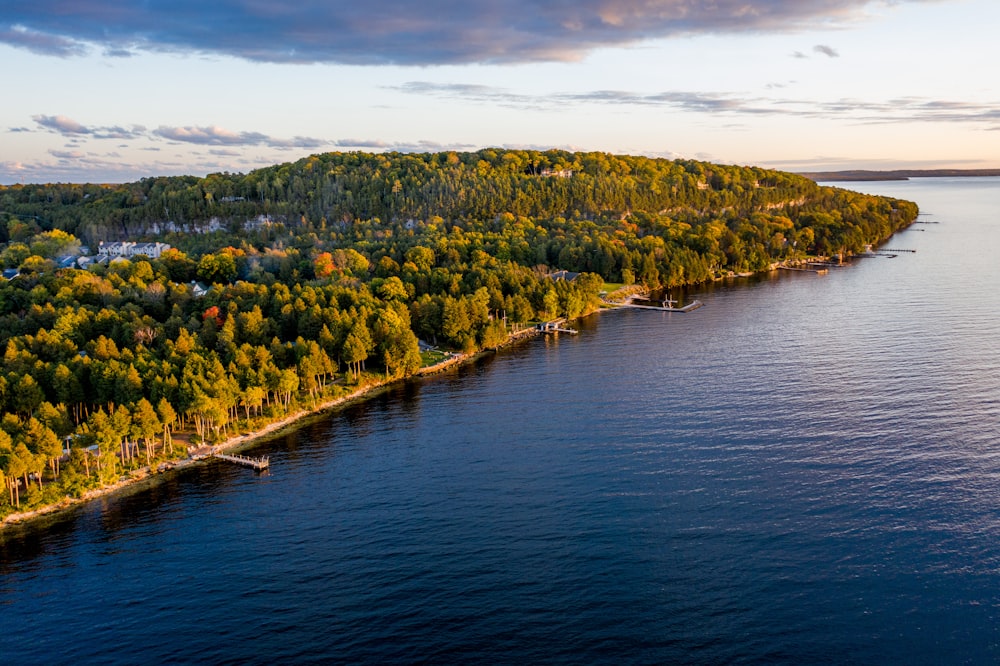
<point x="895" y="174"/>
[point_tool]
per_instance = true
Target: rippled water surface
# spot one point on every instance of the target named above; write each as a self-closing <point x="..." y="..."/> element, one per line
<point x="806" y="470"/>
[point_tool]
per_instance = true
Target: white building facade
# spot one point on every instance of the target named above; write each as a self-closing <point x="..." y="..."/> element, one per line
<point x="129" y="249"/>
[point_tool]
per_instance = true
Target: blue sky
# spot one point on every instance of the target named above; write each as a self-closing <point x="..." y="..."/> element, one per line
<point x="112" y="91"/>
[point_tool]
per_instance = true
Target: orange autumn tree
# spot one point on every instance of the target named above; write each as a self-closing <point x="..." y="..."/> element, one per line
<point x="213" y="314"/>
<point x="323" y="265"/>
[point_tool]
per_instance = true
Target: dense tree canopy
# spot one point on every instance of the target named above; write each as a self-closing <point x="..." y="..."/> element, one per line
<point x="331" y="268"/>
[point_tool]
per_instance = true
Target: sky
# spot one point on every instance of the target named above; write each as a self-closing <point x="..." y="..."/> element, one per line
<point x="117" y="90"/>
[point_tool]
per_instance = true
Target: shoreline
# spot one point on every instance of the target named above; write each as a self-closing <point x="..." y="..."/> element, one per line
<point x="236" y="442"/>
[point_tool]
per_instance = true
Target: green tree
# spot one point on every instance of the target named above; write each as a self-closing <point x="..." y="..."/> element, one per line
<point x="69" y="391"/>
<point x="102" y="432"/>
<point x="43" y="442"/>
<point x="357" y="345"/>
<point x="288" y="384"/>
<point x="120" y="421"/>
<point x="8" y="468"/>
<point x="28" y="396"/>
<point x="18" y="463"/>
<point x="550" y="304"/>
<point x="455" y="323"/>
<point x="252" y="399"/>
<point x="494" y="335"/>
<point x="145" y="427"/>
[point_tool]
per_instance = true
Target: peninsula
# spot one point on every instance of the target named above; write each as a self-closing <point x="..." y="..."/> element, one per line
<point x="147" y="323"/>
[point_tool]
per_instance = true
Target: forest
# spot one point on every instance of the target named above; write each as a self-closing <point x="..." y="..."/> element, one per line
<point x="294" y="284"/>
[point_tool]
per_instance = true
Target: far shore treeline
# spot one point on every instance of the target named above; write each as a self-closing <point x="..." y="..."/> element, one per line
<point x="295" y="284"/>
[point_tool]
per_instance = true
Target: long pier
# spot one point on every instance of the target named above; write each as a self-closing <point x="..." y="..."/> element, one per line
<point x="818" y="271"/>
<point x="828" y="264"/>
<point x="693" y="305"/>
<point x="258" y="464"/>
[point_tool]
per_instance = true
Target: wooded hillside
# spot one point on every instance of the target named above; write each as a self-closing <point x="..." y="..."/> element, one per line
<point x="321" y="270"/>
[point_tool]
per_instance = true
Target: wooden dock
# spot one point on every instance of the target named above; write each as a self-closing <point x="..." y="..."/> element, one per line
<point x="259" y="464"/>
<point x="555" y="326"/>
<point x="818" y="271"/>
<point x="693" y="305"/>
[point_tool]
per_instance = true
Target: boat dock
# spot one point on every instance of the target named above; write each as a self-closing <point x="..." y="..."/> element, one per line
<point x="665" y="304"/>
<point x="555" y="326"/>
<point x="259" y="464"/>
<point x="693" y="305"/>
<point x="827" y="264"/>
<point x="817" y="271"/>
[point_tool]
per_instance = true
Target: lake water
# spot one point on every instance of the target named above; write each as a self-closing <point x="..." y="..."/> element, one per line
<point x="806" y="470"/>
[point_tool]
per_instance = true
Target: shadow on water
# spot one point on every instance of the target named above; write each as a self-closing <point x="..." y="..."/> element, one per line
<point x="105" y="519"/>
<point x="20" y="545"/>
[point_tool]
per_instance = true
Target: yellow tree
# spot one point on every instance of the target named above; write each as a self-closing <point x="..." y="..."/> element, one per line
<point x="101" y="429"/>
<point x="145" y="426"/>
<point x="8" y="468"/>
<point x="165" y="411"/>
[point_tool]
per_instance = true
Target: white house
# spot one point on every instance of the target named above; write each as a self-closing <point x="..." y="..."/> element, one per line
<point x="115" y="249"/>
<point x="129" y="249"/>
<point x="151" y="250"/>
<point x="199" y="289"/>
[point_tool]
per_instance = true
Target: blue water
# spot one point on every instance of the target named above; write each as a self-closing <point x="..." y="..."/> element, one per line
<point x="806" y="470"/>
